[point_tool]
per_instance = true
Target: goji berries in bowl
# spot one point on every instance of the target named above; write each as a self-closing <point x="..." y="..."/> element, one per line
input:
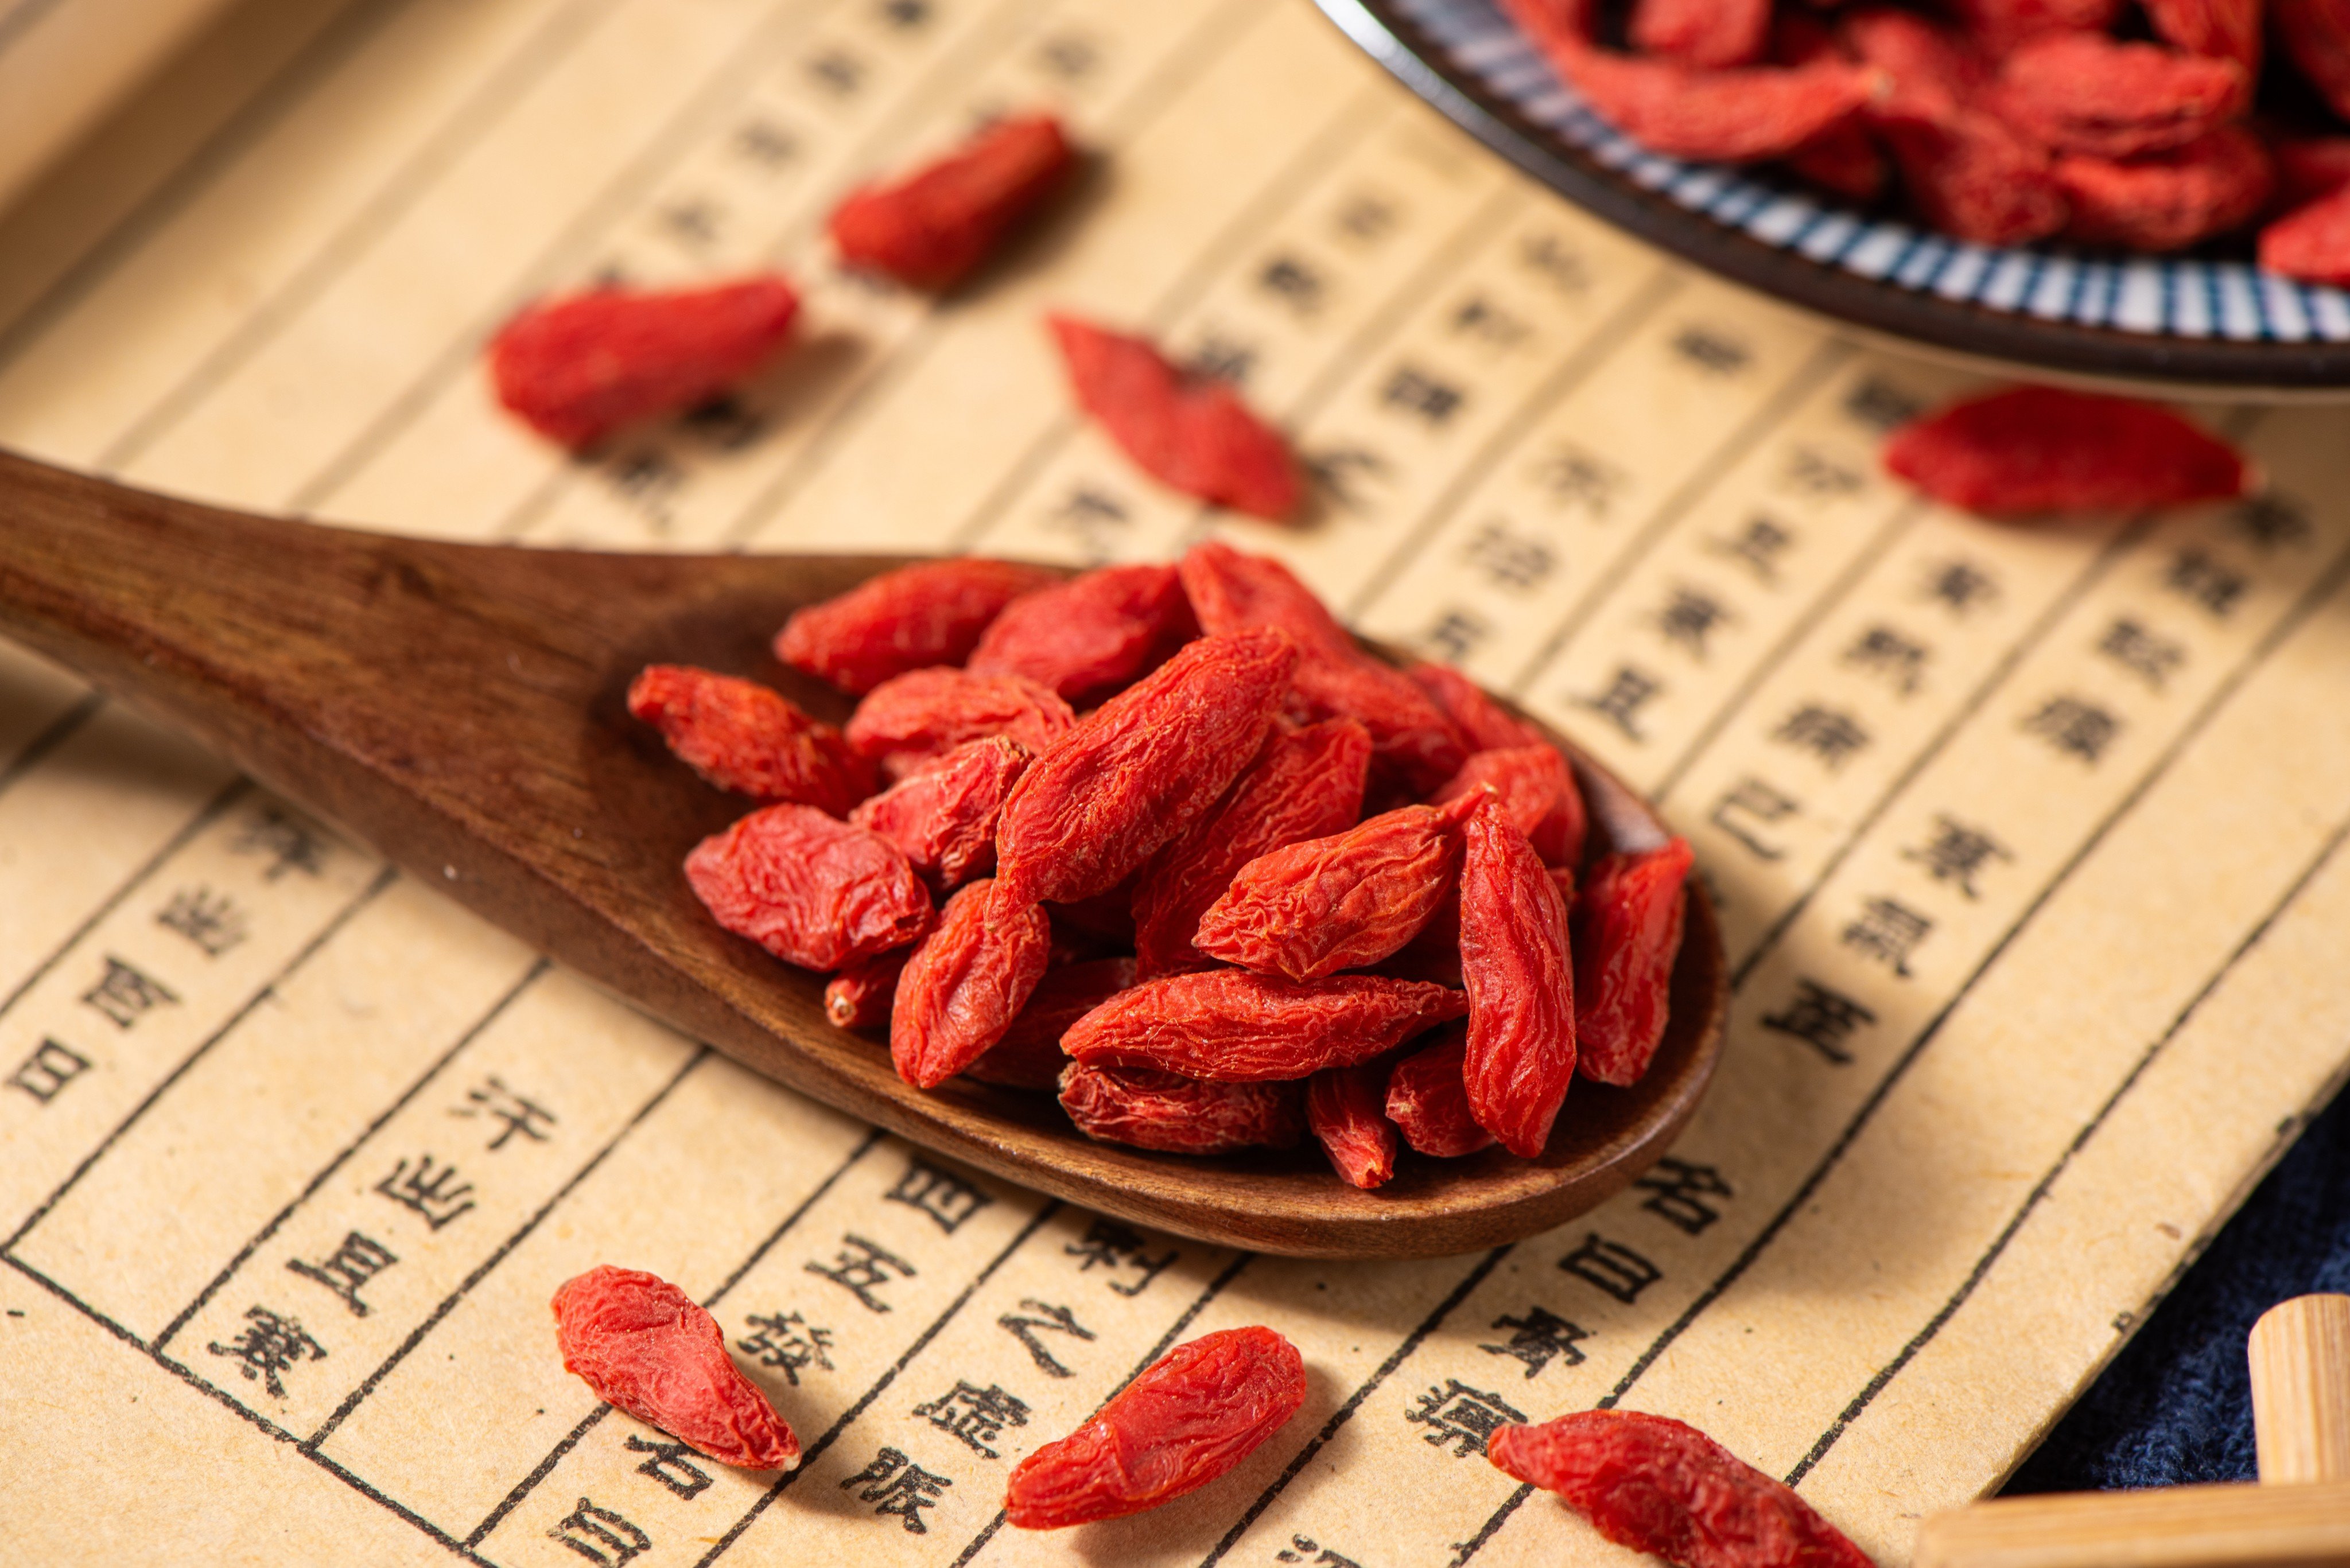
<point x="2129" y="277"/>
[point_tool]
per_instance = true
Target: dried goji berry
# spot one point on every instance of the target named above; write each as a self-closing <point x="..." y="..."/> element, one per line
<point x="1999" y="26"/>
<point x="2317" y="35"/>
<point x="1029" y="1056"/>
<point x="1627" y="932"/>
<point x="1233" y="1027"/>
<point x="2166" y="199"/>
<point x="1845" y="157"/>
<point x="1661" y="1486"/>
<point x="742" y="736"/>
<point x="1345" y="901"/>
<point x="965" y="984"/>
<point x="1305" y="783"/>
<point x="1483" y="724"/>
<point x="646" y="1346"/>
<point x="1231" y="590"/>
<point x="1141" y="768"/>
<point x="858" y="997"/>
<point x="1345" y="1107"/>
<point x="1710" y="34"/>
<point x="1185" y="1419"/>
<point x="1192" y="433"/>
<point x="808" y="888"/>
<point x="943" y="816"/>
<point x="2230" y="29"/>
<point x="2083" y="92"/>
<point x="1521" y="984"/>
<point x="911" y="719"/>
<point x="1428" y="1099"/>
<point x="1174" y="1115"/>
<point x="928" y="614"/>
<point x="1091" y="635"/>
<point x="1538" y="790"/>
<point x="1930" y="70"/>
<point x="2309" y="167"/>
<point x="931" y="227"/>
<point x="2313" y="241"/>
<point x="578" y="367"/>
<point x="2025" y="449"/>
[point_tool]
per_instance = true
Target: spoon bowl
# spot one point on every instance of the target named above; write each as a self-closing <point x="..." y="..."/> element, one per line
<point x="460" y="707"/>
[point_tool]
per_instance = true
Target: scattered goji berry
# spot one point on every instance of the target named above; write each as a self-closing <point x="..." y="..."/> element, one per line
<point x="1521" y="984"/>
<point x="742" y="736"/>
<point x="808" y="888"/>
<point x="2311" y="241"/>
<point x="1345" y="1108"/>
<point x="1708" y="34"/>
<point x="1305" y="784"/>
<point x="1233" y="1027"/>
<point x="1999" y="26"/>
<point x="931" y="228"/>
<point x="910" y="721"/>
<point x="1344" y="901"/>
<point x="2317" y="35"/>
<point x="578" y="367"/>
<point x="1428" y="1099"/>
<point x="2164" y="201"/>
<point x="943" y="816"/>
<point x="965" y="984"/>
<point x="1185" y="1419"/>
<point x="1191" y="433"/>
<point x="1140" y="769"/>
<point x="1627" y="932"/>
<point x="1091" y="635"/>
<point x="1538" y="790"/>
<point x="927" y="614"/>
<point x="1483" y="724"/>
<point x="1660" y="1486"/>
<point x="1174" y="1115"/>
<point x="2027" y="450"/>
<point x="1845" y="157"/>
<point x="1029" y="1056"/>
<point x="2309" y="167"/>
<point x="858" y="997"/>
<point x="2230" y="29"/>
<point x="646" y="1346"/>
<point x="2083" y="92"/>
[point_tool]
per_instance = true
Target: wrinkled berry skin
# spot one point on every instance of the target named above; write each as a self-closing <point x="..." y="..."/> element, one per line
<point x="1171" y="1113"/>
<point x="741" y="736"/>
<point x="644" y="1346"/>
<point x="1186" y="1419"/>
<point x="1484" y="724"/>
<point x="1428" y="1099"/>
<point x="929" y="229"/>
<point x="1521" y="984"/>
<point x="1230" y="1026"/>
<point x="964" y="985"/>
<point x="1627" y="932"/>
<point x="943" y="816"/>
<point x="931" y="613"/>
<point x="1539" y="792"/>
<point x="1029" y="1056"/>
<point x="910" y="721"/>
<point x="2083" y="92"/>
<point x="859" y="996"/>
<point x="1660" y="1486"/>
<point x="2029" y="450"/>
<point x="810" y="890"/>
<point x="1345" y="1109"/>
<point x="577" y="368"/>
<point x="1088" y="637"/>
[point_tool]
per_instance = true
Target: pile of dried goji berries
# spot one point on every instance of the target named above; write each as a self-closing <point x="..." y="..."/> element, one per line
<point x="2150" y="127"/>
<point x="1262" y="884"/>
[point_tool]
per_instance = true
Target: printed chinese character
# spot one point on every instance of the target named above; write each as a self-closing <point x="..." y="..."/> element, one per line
<point x="1957" y="852"/>
<point x="1960" y="587"/>
<point x="948" y="1200"/>
<point x="600" y="1535"/>
<point x="1454" y="635"/>
<point x="1300" y="1549"/>
<point x="285" y="840"/>
<point x="1612" y="1268"/>
<point x="692" y="220"/>
<point x="267" y="1346"/>
<point x="1364" y="218"/>
<point x="1025" y="1328"/>
<point x="1690" y="617"/>
<point x="1570" y="477"/>
<point x="1345" y="475"/>
<point x="1460" y="1415"/>
<point x="1880" y="405"/>
<point x="1821" y="1018"/>
<point x="1676" y="1192"/>
<point x="2271" y="521"/>
<point x="862" y="1268"/>
<point x="765" y="143"/>
<point x="1760" y="544"/>
<point x="1480" y="319"/>
<point x="788" y="1343"/>
<point x="1098" y="520"/>
<point x="438" y="1195"/>
<point x="1808" y="472"/>
<point x="1295" y="284"/>
<point x="1068" y="56"/>
<point x="670" y="1466"/>
<point x="1110" y="1245"/>
<point x="904" y="14"/>
<point x="1555" y="262"/>
<point x="647" y="480"/>
<point x="2196" y="576"/>
<point x="210" y="920"/>
<point x="1627" y="692"/>
<point x="514" y="1114"/>
<point x="52" y="1065"/>
<point x="838" y="72"/>
<point x="2150" y="658"/>
<point x="1415" y="392"/>
<point x="1509" y="559"/>
<point x="348" y="1267"/>
<point x="1886" y="653"/>
<point x="1221" y="358"/>
<point x="1747" y="808"/>
<point x="1887" y="931"/>
<point x="726" y="421"/>
<point x="2075" y="728"/>
<point x="975" y="1417"/>
<point x="1833" y="736"/>
<point x="1541" y="1337"/>
<point x="895" y="1484"/>
<point x="1715" y="352"/>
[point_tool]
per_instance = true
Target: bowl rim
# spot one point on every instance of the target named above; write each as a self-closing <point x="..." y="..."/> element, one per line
<point x="1877" y="308"/>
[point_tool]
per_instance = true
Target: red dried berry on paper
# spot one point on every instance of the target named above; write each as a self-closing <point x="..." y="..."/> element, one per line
<point x="1087" y="637"/>
<point x="1345" y="1108"/>
<point x="1627" y="932"/>
<point x="2229" y="29"/>
<point x="2316" y="37"/>
<point x="1428" y="1099"/>
<point x="917" y="617"/>
<point x="2028" y="449"/>
<point x="1709" y="34"/>
<point x="1141" y="768"/>
<point x="1345" y="901"/>
<point x="2168" y="200"/>
<point x="1170" y="1113"/>
<point x="943" y="818"/>
<point x="2313" y="241"/>
<point x="2083" y="92"/>
<point x="910" y="721"/>
<point x="1538" y="792"/>
<point x="934" y="226"/>
<point x="1029" y="1056"/>
<point x="965" y="984"/>
<point x="808" y="888"/>
<point x="1192" y="433"/>
<point x="1658" y="1485"/>
<point x="1186" y="1419"/>
<point x="1305" y="782"/>
<point x="859" y="996"/>
<point x="1232" y="1027"/>
<point x="1483" y="724"/>
<point x="646" y="1346"/>
<point x="1999" y="26"/>
<point x="742" y="736"/>
<point x="578" y="367"/>
<point x="1521" y="984"/>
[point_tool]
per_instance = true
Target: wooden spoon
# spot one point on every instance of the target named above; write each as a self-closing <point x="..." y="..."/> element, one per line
<point x="459" y="707"/>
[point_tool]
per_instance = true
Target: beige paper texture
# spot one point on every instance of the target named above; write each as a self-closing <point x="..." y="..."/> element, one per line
<point x="2026" y="842"/>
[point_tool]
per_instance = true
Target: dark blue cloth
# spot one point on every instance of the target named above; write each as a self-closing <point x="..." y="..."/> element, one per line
<point x="2175" y="1406"/>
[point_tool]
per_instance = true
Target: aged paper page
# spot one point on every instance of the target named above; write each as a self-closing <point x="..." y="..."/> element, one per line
<point x="2026" y="843"/>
